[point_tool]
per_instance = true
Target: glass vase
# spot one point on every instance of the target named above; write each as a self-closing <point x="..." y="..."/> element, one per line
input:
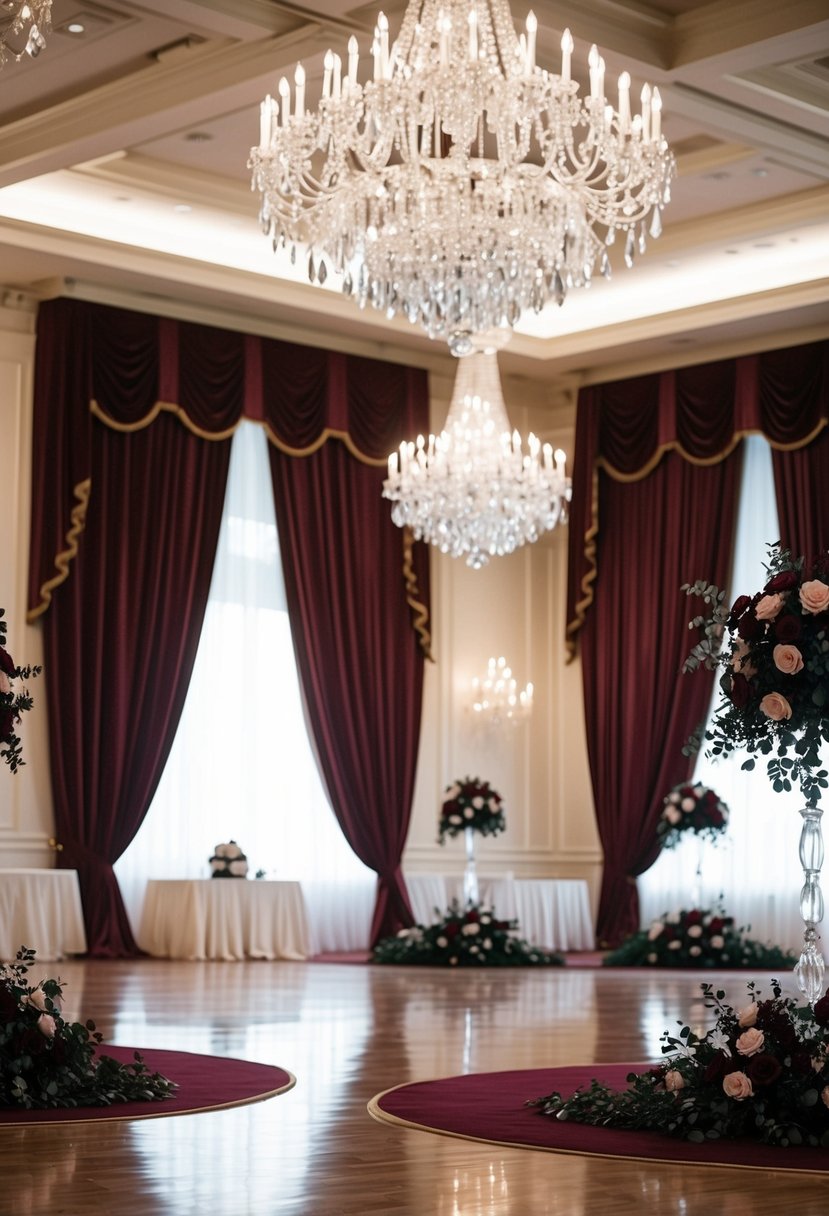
<point x="470" y="876"/>
<point x="811" y="966"/>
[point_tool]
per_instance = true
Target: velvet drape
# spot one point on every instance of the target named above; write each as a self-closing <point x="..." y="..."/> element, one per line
<point x="132" y="425"/>
<point x="645" y="447"/>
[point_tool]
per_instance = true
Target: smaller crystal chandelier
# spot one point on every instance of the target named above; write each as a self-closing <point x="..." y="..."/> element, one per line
<point x="23" y="26"/>
<point x="497" y="698"/>
<point x="472" y="490"/>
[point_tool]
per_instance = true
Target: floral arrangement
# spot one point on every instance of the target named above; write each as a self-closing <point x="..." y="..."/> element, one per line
<point x="761" y="1073"/>
<point x="698" y="937"/>
<point x="471" y="803"/>
<point x="48" y="1062"/>
<point x="12" y="704"/>
<point x="228" y="861"/>
<point x="471" y="938"/>
<point x="775" y="682"/>
<point x="691" y="808"/>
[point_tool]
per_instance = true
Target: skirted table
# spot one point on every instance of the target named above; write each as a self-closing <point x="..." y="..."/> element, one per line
<point x="41" y="909"/>
<point x="551" y="912"/>
<point x="224" y="918"/>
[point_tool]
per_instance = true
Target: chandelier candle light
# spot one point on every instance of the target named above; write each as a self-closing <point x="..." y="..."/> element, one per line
<point x="472" y="490"/>
<point x="462" y="183"/>
<point x="23" y="26"/>
<point x="497" y="698"/>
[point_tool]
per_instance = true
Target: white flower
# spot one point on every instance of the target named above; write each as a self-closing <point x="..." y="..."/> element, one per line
<point x="455" y="819"/>
<point x="403" y="932"/>
<point x="442" y="942"/>
<point x="655" y="930"/>
<point x="672" y="918"/>
<point x="232" y="850"/>
<point x="493" y="804"/>
<point x="652" y="958"/>
<point x="685" y="1051"/>
<point x="471" y="929"/>
<point x="717" y="942"/>
<point x="719" y="1040"/>
<point x="485" y="919"/>
<point x="478" y="802"/>
<point x="474" y="950"/>
<point x="694" y="930"/>
<point x="468" y="813"/>
<point x="688" y="804"/>
<point x="217" y="864"/>
<point x="221" y="850"/>
<point x="674" y="797"/>
<point x="676" y="944"/>
<point x="239" y="868"/>
<point x="487" y="943"/>
<point x="695" y="950"/>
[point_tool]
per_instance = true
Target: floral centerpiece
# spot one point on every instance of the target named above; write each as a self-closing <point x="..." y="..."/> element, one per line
<point x="691" y="809"/>
<point x="697" y="937"/>
<point x="761" y="1073"/>
<point x="470" y="937"/>
<point x="12" y="704"/>
<point x="471" y="803"/>
<point x="228" y="861"/>
<point x="48" y="1062"/>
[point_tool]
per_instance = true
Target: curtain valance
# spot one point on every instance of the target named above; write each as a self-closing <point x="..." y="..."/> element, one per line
<point x="101" y="365"/>
<point x="624" y="429"/>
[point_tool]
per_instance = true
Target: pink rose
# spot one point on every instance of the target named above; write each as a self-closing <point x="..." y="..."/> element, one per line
<point x="737" y="1085"/>
<point x="37" y="999"/>
<point x="671" y="814"/>
<point x="775" y="706"/>
<point x="674" y="1081"/>
<point x="46" y="1025"/>
<point x="824" y="1094"/>
<point x="5" y="684"/>
<point x="717" y="942"/>
<point x="748" y="1016"/>
<point x="750" y="1042"/>
<point x="814" y="596"/>
<point x="769" y="607"/>
<point x="788" y="659"/>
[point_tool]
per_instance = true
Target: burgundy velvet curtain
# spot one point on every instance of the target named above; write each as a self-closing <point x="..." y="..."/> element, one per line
<point x="132" y="427"/>
<point x="797" y="385"/>
<point x="655" y="486"/>
<point x="361" y="668"/>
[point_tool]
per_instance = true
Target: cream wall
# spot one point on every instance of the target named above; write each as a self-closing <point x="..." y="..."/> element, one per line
<point x="514" y="607"/>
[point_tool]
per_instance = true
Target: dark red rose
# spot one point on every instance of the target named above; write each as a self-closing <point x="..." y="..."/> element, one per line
<point x="784" y="581"/>
<point x="450" y="808"/>
<point x="788" y="628"/>
<point x="9" y="1008"/>
<point x="821" y="1010"/>
<point x="738" y="608"/>
<point x="693" y="917"/>
<point x="452" y="929"/>
<point x="748" y="627"/>
<point x="716" y="1068"/>
<point x="716" y="818"/>
<point x="7" y="662"/>
<point x="716" y="925"/>
<point x="764" y="1069"/>
<point x="472" y="917"/>
<point x="740" y="691"/>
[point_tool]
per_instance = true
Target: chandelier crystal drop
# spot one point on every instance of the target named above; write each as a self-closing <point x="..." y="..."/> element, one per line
<point x="471" y="490"/>
<point x="24" y="25"/>
<point x="462" y="183"/>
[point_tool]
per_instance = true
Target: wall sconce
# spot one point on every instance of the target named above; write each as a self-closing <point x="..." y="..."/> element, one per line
<point x="497" y="698"/>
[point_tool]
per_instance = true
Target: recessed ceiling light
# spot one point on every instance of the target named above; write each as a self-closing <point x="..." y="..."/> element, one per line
<point x="75" y="27"/>
<point x="760" y="172"/>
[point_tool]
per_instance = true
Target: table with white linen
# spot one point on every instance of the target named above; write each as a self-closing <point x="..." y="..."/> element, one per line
<point x="223" y="918"/>
<point x="41" y="909"/>
<point x="551" y="912"/>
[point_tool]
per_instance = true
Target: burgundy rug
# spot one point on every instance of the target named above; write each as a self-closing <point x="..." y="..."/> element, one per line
<point x="490" y="1107"/>
<point x="204" y="1083"/>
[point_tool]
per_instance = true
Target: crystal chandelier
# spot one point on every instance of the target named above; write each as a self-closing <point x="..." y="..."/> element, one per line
<point x="497" y="698"/>
<point x="462" y="184"/>
<point x="23" y="26"/>
<point x="472" y="490"/>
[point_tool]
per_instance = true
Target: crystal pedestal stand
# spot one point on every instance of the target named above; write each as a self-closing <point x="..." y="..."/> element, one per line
<point x="811" y="966"/>
<point x="470" y="877"/>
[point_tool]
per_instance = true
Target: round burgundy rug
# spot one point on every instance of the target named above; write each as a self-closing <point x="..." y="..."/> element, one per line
<point x="204" y="1083"/>
<point x="491" y="1107"/>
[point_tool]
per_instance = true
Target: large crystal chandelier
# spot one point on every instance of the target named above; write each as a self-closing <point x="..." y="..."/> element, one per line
<point x="471" y="490"/>
<point x="462" y="183"/>
<point x="23" y="28"/>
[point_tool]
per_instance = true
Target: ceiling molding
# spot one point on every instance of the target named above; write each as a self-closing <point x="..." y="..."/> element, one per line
<point x="709" y="31"/>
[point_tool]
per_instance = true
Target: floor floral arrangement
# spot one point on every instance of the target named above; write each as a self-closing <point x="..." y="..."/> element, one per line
<point x="473" y="937"/>
<point x="47" y="1062"/>
<point x="761" y="1073"/>
<point x="12" y="703"/>
<point x="697" y="937"/>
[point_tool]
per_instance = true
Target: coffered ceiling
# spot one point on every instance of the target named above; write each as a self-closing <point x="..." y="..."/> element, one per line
<point x="123" y="173"/>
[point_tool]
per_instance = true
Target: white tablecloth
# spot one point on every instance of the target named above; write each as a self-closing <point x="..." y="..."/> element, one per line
<point x="551" y="912"/>
<point x="223" y="918"/>
<point x="41" y="909"/>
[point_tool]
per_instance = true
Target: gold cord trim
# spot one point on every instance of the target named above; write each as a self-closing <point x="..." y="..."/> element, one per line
<point x="78" y="523"/>
<point x="420" y="613"/>
<point x="588" y="580"/>
<point x="377" y="462"/>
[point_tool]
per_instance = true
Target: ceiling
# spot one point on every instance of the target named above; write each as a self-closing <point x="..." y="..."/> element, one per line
<point x="123" y="173"/>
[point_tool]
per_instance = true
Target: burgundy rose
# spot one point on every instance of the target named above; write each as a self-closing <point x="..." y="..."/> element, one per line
<point x="472" y="917"/>
<point x="693" y="917"/>
<point x="821" y="1010"/>
<point x="763" y="1069"/>
<point x="784" y="581"/>
<point x="740" y="691"/>
<point x="748" y="627"/>
<point x="788" y="628"/>
<point x="451" y="808"/>
<point x="716" y="1068"/>
<point x="716" y="818"/>
<point x="452" y="929"/>
<point x="9" y="1008"/>
<point x="717" y="924"/>
<point x="7" y="663"/>
<point x="738" y="608"/>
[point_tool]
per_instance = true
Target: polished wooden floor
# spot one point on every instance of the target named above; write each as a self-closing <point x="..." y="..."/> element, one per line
<point x="348" y="1032"/>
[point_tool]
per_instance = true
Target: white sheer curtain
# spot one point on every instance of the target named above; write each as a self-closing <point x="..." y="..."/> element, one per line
<point x="755" y="867"/>
<point x="242" y="766"/>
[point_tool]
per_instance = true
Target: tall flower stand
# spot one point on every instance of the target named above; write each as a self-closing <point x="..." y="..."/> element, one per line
<point x="471" y="894"/>
<point x="811" y="966"/>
